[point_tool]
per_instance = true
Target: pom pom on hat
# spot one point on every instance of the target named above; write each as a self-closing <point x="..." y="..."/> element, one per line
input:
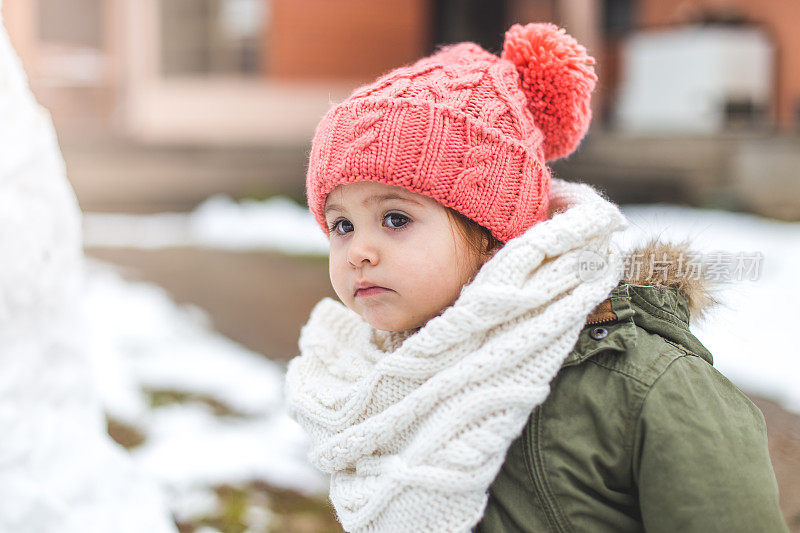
<point x="557" y="77"/>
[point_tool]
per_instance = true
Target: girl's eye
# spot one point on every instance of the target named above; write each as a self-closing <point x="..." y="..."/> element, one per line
<point x="341" y="226"/>
<point x="396" y="220"/>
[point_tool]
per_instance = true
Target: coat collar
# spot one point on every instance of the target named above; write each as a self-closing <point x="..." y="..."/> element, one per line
<point x="665" y="265"/>
<point x="662" y="301"/>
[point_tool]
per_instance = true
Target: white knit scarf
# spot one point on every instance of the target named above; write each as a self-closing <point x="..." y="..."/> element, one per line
<point x="414" y="428"/>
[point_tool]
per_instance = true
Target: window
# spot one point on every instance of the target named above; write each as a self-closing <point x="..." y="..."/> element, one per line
<point x="480" y="21"/>
<point x="212" y="36"/>
<point x="75" y="23"/>
<point x="618" y="17"/>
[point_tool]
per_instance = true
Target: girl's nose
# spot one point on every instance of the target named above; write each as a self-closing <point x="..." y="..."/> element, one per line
<point x="362" y="251"/>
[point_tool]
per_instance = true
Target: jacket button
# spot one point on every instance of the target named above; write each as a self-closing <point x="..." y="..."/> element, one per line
<point x="598" y="332"/>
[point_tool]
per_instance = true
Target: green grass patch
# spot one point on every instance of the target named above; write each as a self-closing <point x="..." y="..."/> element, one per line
<point x="127" y="436"/>
<point x="261" y="507"/>
<point x="162" y="397"/>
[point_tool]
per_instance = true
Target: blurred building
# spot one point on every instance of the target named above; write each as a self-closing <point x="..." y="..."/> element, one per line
<point x="207" y="71"/>
<point x="162" y="102"/>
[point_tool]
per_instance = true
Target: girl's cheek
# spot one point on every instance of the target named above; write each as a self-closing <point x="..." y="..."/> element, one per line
<point x="334" y="269"/>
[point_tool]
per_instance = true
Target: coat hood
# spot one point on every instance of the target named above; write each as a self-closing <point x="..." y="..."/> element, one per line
<point x="665" y="265"/>
<point x="672" y="266"/>
<point x="664" y="286"/>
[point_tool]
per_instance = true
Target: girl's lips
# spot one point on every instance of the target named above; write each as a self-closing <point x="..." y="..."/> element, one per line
<point x="371" y="291"/>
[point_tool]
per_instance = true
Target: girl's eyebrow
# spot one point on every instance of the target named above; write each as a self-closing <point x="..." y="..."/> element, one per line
<point x="374" y="199"/>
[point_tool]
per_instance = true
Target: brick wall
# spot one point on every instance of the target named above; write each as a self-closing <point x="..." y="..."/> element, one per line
<point x="348" y="39"/>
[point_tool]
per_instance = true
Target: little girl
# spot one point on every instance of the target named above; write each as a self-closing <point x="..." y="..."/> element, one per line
<point x="490" y="367"/>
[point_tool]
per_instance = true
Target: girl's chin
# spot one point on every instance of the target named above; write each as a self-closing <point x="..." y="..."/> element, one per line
<point x="387" y="317"/>
<point x="393" y="325"/>
<point x="385" y="324"/>
<point x="386" y="327"/>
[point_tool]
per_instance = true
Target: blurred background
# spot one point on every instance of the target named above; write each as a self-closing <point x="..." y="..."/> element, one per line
<point x="185" y="126"/>
<point x="161" y="103"/>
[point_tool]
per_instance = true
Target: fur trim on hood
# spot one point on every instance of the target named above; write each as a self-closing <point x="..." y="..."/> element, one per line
<point x="675" y="266"/>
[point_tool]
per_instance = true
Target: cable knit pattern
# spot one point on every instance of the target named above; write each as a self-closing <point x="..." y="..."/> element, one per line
<point x="413" y="428"/>
<point x="461" y="127"/>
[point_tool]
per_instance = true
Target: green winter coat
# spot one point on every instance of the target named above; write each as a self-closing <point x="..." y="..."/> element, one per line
<point x="640" y="432"/>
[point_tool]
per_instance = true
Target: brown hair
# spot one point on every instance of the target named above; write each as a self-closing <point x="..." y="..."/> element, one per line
<point x="479" y="239"/>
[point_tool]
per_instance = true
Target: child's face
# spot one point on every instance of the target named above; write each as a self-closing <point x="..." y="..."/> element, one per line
<point x="395" y="258"/>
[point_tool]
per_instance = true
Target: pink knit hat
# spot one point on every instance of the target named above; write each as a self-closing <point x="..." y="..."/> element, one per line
<point x="467" y="128"/>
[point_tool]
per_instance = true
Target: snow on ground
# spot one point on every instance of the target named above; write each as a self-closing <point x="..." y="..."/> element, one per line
<point x="219" y="222"/>
<point x="749" y="335"/>
<point x="142" y="341"/>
